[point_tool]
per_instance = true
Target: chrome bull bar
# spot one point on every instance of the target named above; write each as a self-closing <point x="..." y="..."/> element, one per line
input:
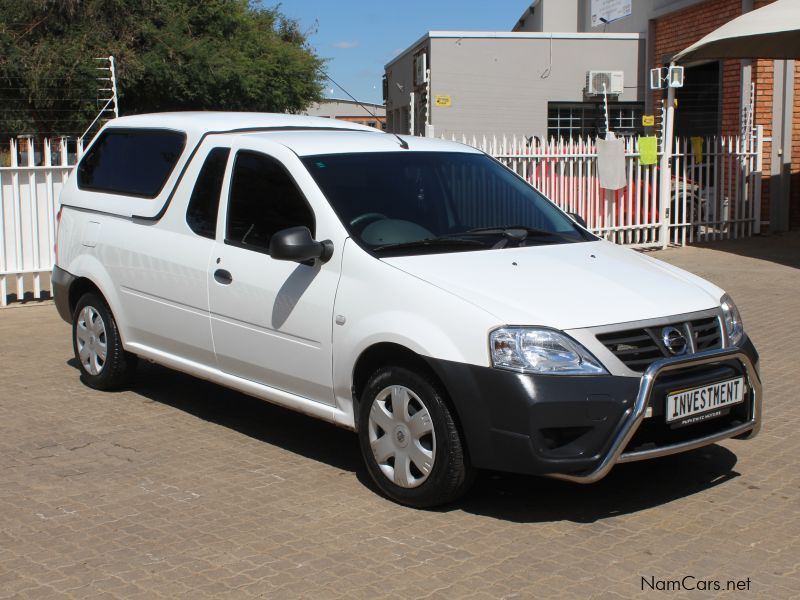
<point x="616" y="452"/>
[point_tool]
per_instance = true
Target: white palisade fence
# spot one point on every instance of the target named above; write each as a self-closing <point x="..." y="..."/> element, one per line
<point x="715" y="192"/>
<point x="31" y="176"/>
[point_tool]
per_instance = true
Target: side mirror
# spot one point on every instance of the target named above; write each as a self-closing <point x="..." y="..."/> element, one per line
<point x="578" y="219"/>
<point x="296" y="244"/>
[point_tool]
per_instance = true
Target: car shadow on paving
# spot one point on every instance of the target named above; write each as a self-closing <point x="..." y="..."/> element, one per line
<point x="627" y="489"/>
<point x="260" y="420"/>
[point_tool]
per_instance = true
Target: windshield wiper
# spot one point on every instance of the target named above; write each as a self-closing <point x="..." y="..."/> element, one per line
<point x="428" y="243"/>
<point x="512" y="233"/>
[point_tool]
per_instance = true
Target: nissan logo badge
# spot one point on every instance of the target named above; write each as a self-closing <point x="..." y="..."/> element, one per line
<point x="674" y="340"/>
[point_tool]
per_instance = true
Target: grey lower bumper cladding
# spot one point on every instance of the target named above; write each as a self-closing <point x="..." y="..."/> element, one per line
<point x="62" y="280"/>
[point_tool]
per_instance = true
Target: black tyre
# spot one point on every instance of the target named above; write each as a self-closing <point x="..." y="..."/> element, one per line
<point x="409" y="439"/>
<point x="104" y="364"/>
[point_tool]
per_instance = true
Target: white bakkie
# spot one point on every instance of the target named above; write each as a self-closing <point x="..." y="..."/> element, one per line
<point x="413" y="290"/>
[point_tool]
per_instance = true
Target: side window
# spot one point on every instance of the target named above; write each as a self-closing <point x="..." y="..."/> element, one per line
<point x="133" y="162"/>
<point x="201" y="215"/>
<point x="263" y="200"/>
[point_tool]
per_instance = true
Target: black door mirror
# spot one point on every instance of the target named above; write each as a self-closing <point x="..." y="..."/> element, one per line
<point x="578" y="219"/>
<point x="296" y="244"/>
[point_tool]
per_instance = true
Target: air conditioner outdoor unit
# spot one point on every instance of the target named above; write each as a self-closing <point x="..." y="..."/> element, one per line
<point x="613" y="81"/>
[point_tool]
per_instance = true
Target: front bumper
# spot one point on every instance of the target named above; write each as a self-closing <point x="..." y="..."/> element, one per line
<point x="618" y="451"/>
<point x="578" y="428"/>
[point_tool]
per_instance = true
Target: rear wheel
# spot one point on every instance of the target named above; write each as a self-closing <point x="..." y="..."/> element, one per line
<point x="409" y="439"/>
<point x="103" y="362"/>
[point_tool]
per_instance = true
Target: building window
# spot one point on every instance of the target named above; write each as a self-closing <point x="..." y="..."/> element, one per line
<point x="573" y="120"/>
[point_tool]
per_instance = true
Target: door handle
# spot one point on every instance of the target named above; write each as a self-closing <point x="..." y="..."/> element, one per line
<point x="222" y="276"/>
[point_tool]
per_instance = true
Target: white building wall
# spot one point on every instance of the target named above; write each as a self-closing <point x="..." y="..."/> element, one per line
<point x="501" y="83"/>
<point x="576" y="16"/>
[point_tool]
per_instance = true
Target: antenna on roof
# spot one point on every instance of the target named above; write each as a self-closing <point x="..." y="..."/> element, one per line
<point x="403" y="143"/>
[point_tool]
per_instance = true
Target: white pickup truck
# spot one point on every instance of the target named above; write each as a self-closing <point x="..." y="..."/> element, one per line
<point x="413" y="290"/>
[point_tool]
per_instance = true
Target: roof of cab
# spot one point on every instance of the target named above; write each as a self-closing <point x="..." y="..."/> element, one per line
<point x="200" y="122"/>
<point x="304" y="135"/>
<point x="315" y="143"/>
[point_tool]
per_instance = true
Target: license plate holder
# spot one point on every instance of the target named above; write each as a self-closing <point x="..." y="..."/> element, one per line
<point x="701" y="403"/>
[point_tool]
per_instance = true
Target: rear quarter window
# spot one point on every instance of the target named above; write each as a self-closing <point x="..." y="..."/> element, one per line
<point x="132" y="162"/>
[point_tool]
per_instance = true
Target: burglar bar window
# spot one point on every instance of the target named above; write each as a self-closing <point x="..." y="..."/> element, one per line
<point x="573" y="120"/>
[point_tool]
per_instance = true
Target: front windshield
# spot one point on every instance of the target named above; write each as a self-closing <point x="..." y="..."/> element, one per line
<point x="401" y="203"/>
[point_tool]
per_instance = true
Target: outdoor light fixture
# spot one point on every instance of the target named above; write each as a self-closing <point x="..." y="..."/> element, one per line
<point x="672" y="76"/>
<point x="655" y="79"/>
<point x="675" y="76"/>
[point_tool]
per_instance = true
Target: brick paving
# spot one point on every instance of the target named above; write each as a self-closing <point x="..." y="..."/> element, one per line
<point x="180" y="488"/>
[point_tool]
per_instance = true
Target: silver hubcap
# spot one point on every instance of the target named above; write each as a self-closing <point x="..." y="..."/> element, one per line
<point x="90" y="335"/>
<point x="401" y="436"/>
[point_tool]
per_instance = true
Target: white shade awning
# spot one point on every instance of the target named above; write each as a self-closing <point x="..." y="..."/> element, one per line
<point x="772" y="31"/>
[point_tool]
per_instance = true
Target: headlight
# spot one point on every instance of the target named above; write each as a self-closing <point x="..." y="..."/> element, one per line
<point x="733" y="321"/>
<point x="544" y="351"/>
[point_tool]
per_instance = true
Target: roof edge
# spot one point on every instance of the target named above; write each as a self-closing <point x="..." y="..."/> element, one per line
<point x="529" y="35"/>
<point x="400" y="55"/>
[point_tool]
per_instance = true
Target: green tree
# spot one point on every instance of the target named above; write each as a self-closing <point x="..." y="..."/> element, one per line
<point x="170" y="55"/>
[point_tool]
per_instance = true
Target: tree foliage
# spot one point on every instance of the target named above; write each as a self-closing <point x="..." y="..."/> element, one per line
<point x="170" y="55"/>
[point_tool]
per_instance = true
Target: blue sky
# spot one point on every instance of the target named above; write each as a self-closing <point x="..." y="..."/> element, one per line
<point x="360" y="37"/>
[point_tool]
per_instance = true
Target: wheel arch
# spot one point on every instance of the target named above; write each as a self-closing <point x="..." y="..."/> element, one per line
<point x="79" y="287"/>
<point x="390" y="353"/>
<point x="379" y="355"/>
<point x="91" y="275"/>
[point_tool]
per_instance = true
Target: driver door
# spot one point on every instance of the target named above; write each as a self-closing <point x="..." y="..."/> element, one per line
<point x="271" y="320"/>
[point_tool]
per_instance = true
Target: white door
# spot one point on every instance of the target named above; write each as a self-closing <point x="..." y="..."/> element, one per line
<point x="271" y="320"/>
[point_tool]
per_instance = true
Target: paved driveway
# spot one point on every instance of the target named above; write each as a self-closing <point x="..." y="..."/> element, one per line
<point x="179" y="488"/>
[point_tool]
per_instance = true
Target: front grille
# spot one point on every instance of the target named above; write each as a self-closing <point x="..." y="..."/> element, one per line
<point x="706" y="333"/>
<point x="639" y="347"/>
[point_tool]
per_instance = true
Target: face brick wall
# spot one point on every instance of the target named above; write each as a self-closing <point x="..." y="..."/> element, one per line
<point x="680" y="29"/>
<point x="762" y="75"/>
<point x="795" y="193"/>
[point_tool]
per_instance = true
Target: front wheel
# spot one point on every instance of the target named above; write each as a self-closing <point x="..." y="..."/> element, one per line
<point x="409" y="439"/>
<point x="103" y="362"/>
